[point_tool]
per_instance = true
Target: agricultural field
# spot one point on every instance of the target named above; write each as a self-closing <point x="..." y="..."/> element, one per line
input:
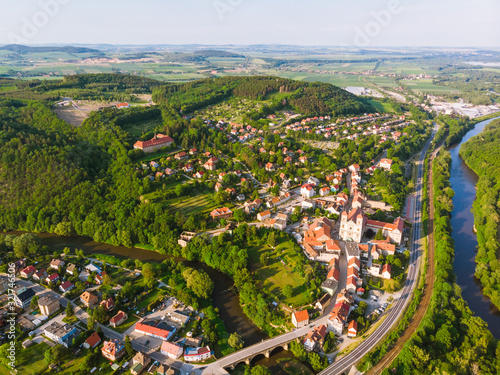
<point x="425" y="86"/>
<point x="385" y="82"/>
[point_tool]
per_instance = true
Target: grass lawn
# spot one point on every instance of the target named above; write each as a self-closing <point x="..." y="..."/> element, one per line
<point x="189" y="205"/>
<point x="71" y="320"/>
<point x="158" y="155"/>
<point x="31" y="360"/>
<point x="294" y="366"/>
<point x="127" y="324"/>
<point x="384" y="284"/>
<point x="139" y="128"/>
<point x="150" y="298"/>
<point x="275" y="276"/>
<point x="380" y="106"/>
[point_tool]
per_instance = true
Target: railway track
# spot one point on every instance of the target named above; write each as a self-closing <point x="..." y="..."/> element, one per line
<point x="428" y="287"/>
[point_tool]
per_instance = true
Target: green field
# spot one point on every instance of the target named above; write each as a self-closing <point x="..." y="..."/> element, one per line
<point x="139" y="128"/>
<point x="382" y="81"/>
<point x="341" y="80"/>
<point x="127" y="324"/>
<point x="426" y="86"/>
<point x="380" y="106"/>
<point x="30" y="360"/>
<point x="191" y="205"/>
<point x="275" y="276"/>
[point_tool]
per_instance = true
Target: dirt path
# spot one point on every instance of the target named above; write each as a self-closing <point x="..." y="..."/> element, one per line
<point x="427" y="293"/>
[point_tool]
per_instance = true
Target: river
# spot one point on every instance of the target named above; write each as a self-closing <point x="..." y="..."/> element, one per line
<point x="463" y="181"/>
<point x="224" y="297"/>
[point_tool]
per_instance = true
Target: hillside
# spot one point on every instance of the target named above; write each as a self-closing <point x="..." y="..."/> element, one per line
<point x="481" y="154"/>
<point x="309" y="99"/>
<point x="217" y="53"/>
<point x="103" y="86"/>
<point x="27" y="49"/>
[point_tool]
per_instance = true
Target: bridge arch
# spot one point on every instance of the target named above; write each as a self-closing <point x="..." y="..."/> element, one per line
<point x="258" y="356"/>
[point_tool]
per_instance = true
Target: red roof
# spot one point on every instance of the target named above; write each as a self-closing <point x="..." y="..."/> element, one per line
<point x="354" y="261"/>
<point x="159" y="140"/>
<point x="53" y="277"/>
<point x="66" y="285"/>
<point x="386" y="268"/>
<point x="93" y="340"/>
<point x="353" y="325"/>
<point x="334" y="274"/>
<point x="29" y="269"/>
<point x="152" y="330"/>
<point x="120" y="316"/>
<point x="301" y="316"/>
<point x="170" y="347"/>
<point x="398" y="224"/>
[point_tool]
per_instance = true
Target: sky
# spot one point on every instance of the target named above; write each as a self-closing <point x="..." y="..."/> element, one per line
<point x="356" y="23"/>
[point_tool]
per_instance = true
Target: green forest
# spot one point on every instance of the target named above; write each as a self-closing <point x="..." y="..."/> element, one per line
<point x="313" y="99"/>
<point x="481" y="153"/>
<point x="450" y="339"/>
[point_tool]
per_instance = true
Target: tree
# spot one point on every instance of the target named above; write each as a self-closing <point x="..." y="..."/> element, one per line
<point x="179" y="190"/>
<point x="379" y="235"/>
<point x="34" y="303"/>
<point x="128" y="347"/>
<point x="48" y="357"/>
<point x="190" y="223"/>
<point x="199" y="282"/>
<point x="316" y="361"/>
<point x="100" y="314"/>
<point x="235" y="341"/>
<point x="25" y="244"/>
<point x="69" y="310"/>
<point x="64" y="229"/>
<point x="271" y="239"/>
<point x="264" y="259"/>
<point x="148" y="273"/>
<point x="257" y="370"/>
<point x="90" y="323"/>
<point x="239" y="215"/>
<point x="288" y="291"/>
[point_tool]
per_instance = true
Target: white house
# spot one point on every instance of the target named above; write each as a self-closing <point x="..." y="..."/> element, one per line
<point x="313" y="181"/>
<point x="307" y="191"/>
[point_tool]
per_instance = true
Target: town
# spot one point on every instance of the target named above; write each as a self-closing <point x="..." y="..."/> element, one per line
<point x="285" y="178"/>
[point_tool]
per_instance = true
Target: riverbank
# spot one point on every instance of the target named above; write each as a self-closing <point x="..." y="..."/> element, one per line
<point x="224" y="297"/>
<point x="463" y="181"/>
<point x="480" y="153"/>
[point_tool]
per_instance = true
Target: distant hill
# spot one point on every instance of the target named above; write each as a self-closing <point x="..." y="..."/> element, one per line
<point x="307" y="98"/>
<point x="216" y="53"/>
<point x="27" y="49"/>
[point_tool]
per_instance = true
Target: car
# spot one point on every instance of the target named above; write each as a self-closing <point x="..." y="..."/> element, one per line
<point x="146" y="342"/>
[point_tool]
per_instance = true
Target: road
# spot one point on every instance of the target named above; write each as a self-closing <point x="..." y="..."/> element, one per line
<point x="393" y="315"/>
<point x="399" y="306"/>
<point x="390" y="356"/>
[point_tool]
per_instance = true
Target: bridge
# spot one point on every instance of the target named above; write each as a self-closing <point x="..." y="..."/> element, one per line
<point x="265" y="348"/>
<point x="265" y="352"/>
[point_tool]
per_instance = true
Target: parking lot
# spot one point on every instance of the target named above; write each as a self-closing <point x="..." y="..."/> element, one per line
<point x="161" y="313"/>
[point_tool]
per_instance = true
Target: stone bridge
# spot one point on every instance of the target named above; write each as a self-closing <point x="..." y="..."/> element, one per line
<point x="260" y="349"/>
